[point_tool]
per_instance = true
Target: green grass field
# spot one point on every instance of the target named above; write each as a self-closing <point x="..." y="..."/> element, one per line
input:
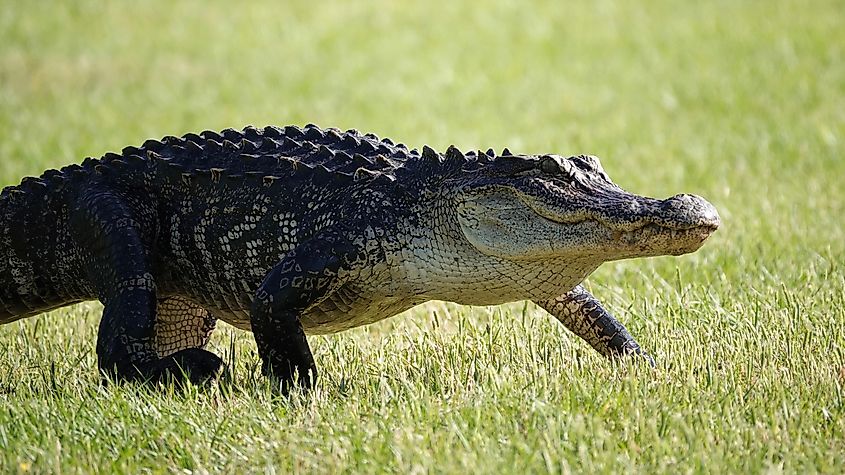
<point x="741" y="102"/>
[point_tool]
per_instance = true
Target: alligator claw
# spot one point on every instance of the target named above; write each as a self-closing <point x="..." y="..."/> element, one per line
<point x="639" y="353"/>
<point x="647" y="357"/>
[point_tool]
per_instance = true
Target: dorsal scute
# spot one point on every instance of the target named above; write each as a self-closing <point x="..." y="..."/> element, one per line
<point x="429" y="155"/>
<point x="132" y="151"/>
<point x="366" y="148"/>
<point x="213" y="146"/>
<point x="230" y="146"/>
<point x="293" y="132"/>
<point x="252" y="133"/>
<point x="192" y="137"/>
<point x="193" y="148"/>
<point x="333" y="135"/>
<point x="349" y="142"/>
<point x="211" y="135"/>
<point x="231" y="134"/>
<point x="111" y="156"/>
<point x="154" y="145"/>
<point x="272" y="131"/>
<point x="282" y="152"/>
<point x="452" y="153"/>
<point x="32" y="184"/>
<point x="250" y="145"/>
<point x="313" y="133"/>
<point x="325" y="153"/>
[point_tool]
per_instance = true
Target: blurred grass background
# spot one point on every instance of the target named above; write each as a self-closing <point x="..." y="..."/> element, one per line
<point x="742" y="102"/>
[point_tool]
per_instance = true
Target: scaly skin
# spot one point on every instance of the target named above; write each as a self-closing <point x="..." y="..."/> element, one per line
<point x="293" y="231"/>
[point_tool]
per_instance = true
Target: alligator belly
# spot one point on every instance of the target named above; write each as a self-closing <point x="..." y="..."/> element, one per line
<point x="335" y="314"/>
<point x="338" y="312"/>
<point x="323" y="319"/>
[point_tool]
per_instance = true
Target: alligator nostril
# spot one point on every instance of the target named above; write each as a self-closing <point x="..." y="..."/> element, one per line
<point x="693" y="209"/>
<point x="686" y="201"/>
<point x="685" y="198"/>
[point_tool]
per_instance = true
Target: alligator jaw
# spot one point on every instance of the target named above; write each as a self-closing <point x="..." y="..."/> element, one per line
<point x="655" y="239"/>
<point x="640" y="227"/>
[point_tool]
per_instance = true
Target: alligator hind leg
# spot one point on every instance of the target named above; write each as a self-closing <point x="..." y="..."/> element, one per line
<point x="116" y="261"/>
<point x="584" y="315"/>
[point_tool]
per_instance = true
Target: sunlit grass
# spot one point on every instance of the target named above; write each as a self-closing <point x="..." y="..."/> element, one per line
<point x="741" y="102"/>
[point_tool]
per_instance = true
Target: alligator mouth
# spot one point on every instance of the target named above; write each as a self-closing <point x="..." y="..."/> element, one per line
<point x="626" y="226"/>
<point x="628" y="231"/>
<point x="632" y="228"/>
<point x="678" y="213"/>
<point x="661" y="233"/>
<point x="637" y="233"/>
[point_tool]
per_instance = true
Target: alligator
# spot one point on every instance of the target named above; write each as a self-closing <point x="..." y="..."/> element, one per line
<point x="301" y="230"/>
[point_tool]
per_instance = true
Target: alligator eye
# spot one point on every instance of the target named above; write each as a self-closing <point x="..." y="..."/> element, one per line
<point x="550" y="165"/>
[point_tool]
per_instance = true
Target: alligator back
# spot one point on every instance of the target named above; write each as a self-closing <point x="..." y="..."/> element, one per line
<point x="207" y="202"/>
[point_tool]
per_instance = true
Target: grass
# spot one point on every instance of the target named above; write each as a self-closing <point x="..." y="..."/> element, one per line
<point x="742" y="102"/>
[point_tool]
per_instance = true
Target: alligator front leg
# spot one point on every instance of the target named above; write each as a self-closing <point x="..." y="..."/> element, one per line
<point x="582" y="314"/>
<point x="302" y="279"/>
<point x="117" y="263"/>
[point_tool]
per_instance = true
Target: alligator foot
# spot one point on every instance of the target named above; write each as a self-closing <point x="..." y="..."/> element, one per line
<point x="193" y="365"/>
<point x="303" y="377"/>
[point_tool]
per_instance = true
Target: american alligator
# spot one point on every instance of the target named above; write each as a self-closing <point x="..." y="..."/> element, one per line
<point x="293" y="231"/>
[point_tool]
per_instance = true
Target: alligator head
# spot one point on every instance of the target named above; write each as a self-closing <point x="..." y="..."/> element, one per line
<point x="546" y="206"/>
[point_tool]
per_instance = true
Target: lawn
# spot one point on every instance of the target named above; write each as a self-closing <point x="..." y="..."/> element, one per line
<point x="742" y="102"/>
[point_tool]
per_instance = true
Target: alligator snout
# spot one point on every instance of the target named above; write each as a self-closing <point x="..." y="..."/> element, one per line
<point x="680" y="212"/>
<point x="690" y="211"/>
